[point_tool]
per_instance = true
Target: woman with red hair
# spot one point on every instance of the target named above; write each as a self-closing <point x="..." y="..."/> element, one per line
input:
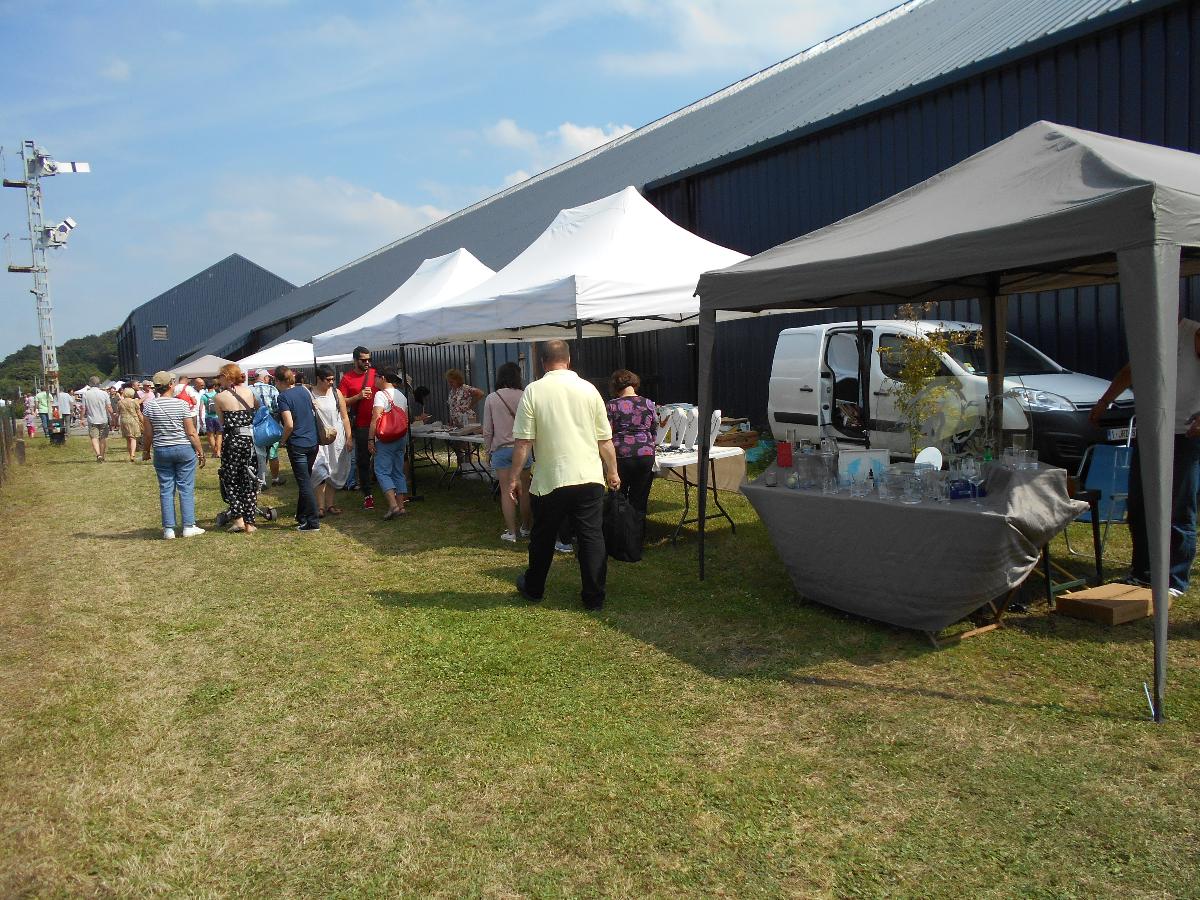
<point x="238" y="474"/>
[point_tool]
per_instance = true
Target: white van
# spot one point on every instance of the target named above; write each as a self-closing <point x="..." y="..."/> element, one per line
<point x="816" y="389"/>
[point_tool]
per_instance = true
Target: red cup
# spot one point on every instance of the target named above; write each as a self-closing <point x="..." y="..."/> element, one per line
<point x="783" y="454"/>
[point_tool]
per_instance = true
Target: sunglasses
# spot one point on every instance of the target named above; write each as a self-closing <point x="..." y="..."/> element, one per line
<point x="327" y="378"/>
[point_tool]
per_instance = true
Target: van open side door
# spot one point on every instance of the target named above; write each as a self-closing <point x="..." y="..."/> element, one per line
<point x="845" y="404"/>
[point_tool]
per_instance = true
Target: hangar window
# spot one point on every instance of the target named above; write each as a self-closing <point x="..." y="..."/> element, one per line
<point x="158" y="332"/>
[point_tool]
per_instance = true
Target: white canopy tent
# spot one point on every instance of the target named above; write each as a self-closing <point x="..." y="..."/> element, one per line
<point x="434" y="282"/>
<point x="203" y="367"/>
<point x="289" y="353"/>
<point x="1050" y="207"/>
<point x="609" y="267"/>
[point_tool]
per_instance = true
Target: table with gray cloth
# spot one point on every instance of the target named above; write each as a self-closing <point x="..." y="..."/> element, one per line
<point x="923" y="566"/>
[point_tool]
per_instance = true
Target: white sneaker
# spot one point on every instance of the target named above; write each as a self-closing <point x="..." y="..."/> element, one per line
<point x="563" y="548"/>
<point x="168" y="534"/>
<point x="508" y="536"/>
<point x="1175" y="592"/>
<point x="191" y="530"/>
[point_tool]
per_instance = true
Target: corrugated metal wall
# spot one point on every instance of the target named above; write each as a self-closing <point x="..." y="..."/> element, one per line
<point x="1138" y="80"/>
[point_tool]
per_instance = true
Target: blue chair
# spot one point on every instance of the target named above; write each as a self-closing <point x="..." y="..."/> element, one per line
<point x="1105" y="469"/>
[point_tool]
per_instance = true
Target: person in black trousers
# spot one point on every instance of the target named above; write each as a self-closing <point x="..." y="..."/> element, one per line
<point x="562" y="419"/>
<point x="300" y="438"/>
<point x="634" y="432"/>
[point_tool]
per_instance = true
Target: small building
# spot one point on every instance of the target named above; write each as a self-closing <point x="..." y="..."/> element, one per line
<point x="165" y="330"/>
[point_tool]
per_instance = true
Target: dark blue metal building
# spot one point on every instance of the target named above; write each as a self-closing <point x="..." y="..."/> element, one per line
<point x="1133" y="72"/>
<point x="819" y="136"/>
<point x="162" y="331"/>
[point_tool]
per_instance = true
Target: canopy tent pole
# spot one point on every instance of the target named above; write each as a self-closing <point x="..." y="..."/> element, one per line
<point x="410" y="453"/>
<point x="487" y="369"/>
<point x="1150" y="299"/>
<point x="579" y="347"/>
<point x="620" y="346"/>
<point x="994" y="312"/>
<point x="705" y="345"/>
<point x="864" y="378"/>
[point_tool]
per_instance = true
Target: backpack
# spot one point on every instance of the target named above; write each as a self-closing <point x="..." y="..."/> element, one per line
<point x="393" y="423"/>
<point x="266" y="430"/>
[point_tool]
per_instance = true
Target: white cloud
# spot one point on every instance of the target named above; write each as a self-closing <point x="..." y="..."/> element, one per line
<point x="116" y="69"/>
<point x="539" y="152"/>
<point x="732" y="34"/>
<point x="296" y="226"/>
<point x="507" y="133"/>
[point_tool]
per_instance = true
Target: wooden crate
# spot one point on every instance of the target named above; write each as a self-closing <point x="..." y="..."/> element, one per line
<point x="743" y="439"/>
<point x="1109" y="604"/>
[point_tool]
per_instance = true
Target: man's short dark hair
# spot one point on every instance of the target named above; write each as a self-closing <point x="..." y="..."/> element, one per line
<point x="361" y="351"/>
<point x="281" y="373"/>
<point x="554" y="352"/>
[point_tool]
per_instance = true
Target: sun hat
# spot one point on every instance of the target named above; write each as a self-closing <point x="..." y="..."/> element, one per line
<point x="163" y="379"/>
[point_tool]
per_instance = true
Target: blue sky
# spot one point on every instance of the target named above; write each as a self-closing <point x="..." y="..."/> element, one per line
<point x="304" y="135"/>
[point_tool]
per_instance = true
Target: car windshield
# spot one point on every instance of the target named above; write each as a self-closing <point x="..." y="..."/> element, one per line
<point x="1019" y="358"/>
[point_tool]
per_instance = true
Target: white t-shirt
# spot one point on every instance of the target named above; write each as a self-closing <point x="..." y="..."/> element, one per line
<point x="95" y="403"/>
<point x="1187" y="392"/>
<point x="380" y="400"/>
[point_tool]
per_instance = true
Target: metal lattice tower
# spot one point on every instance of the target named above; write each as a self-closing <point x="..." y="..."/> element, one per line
<point x="37" y="164"/>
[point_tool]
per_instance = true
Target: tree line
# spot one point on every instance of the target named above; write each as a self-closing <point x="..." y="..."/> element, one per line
<point x="78" y="360"/>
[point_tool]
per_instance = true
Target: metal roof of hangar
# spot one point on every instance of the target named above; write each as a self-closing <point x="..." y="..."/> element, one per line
<point x="909" y="49"/>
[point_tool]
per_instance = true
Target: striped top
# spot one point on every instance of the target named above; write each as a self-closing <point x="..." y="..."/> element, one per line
<point x="166" y="415"/>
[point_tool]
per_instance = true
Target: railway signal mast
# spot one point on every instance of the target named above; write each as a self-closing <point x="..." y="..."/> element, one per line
<point x="38" y="164"/>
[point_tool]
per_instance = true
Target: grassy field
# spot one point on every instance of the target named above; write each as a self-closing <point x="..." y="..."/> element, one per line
<point x="370" y="710"/>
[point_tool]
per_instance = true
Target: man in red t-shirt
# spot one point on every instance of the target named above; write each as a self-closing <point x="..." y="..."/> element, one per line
<point x="358" y="387"/>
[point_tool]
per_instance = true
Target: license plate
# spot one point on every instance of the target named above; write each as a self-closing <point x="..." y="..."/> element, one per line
<point x="1118" y="434"/>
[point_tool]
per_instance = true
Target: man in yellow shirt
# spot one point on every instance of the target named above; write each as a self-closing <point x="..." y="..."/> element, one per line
<point x="562" y="419"/>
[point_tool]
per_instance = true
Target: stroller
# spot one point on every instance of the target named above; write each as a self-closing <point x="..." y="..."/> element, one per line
<point x="266" y="513"/>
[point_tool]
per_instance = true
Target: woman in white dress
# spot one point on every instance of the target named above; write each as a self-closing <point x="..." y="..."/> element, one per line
<point x="332" y="467"/>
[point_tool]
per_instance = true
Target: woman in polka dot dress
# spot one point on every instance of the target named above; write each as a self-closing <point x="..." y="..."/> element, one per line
<point x="238" y="474"/>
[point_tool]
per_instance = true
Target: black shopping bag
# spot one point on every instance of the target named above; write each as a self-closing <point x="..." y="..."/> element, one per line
<point x="622" y="528"/>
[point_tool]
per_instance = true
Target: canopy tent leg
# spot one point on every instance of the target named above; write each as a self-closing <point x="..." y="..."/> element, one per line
<point x="579" y="348"/>
<point x="410" y="452"/>
<point x="620" y="346"/>
<point x="705" y="344"/>
<point x="994" y="309"/>
<point x="1150" y="299"/>
<point x="864" y="378"/>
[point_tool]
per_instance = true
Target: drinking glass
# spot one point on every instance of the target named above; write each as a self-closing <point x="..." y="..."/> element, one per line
<point x="829" y="484"/>
<point x="973" y="472"/>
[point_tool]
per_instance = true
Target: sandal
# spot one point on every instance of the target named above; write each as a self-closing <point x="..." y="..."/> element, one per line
<point x="333" y="510"/>
<point x="235" y="529"/>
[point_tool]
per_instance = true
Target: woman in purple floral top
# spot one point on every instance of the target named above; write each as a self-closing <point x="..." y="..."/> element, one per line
<point x="634" y="429"/>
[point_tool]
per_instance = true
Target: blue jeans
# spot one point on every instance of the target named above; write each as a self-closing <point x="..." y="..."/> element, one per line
<point x="389" y="465"/>
<point x="176" y="470"/>
<point x="45" y="417"/>
<point x="302" y="460"/>
<point x="1185" y="481"/>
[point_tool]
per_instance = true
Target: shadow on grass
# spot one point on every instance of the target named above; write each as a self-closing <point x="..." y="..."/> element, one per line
<point x="137" y="534"/>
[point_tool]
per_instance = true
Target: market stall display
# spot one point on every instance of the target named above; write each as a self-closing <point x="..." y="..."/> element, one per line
<point x="1049" y="207"/>
<point x="923" y="565"/>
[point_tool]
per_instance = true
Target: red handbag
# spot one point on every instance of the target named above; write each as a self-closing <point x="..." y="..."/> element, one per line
<point x="392" y="424"/>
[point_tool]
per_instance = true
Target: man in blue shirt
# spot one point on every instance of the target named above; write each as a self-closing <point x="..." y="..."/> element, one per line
<point x="300" y="438"/>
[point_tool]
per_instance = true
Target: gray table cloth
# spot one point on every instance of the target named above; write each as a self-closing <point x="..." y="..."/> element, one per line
<point x="924" y="566"/>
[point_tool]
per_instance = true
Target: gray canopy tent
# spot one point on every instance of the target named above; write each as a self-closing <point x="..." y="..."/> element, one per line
<point x="1049" y="207"/>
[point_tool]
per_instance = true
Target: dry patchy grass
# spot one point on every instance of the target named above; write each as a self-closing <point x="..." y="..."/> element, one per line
<point x="369" y="710"/>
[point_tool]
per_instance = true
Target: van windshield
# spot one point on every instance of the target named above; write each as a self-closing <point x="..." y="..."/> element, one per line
<point x="1020" y="358"/>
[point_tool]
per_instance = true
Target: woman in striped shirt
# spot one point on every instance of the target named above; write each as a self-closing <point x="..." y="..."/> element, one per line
<point x="170" y="429"/>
